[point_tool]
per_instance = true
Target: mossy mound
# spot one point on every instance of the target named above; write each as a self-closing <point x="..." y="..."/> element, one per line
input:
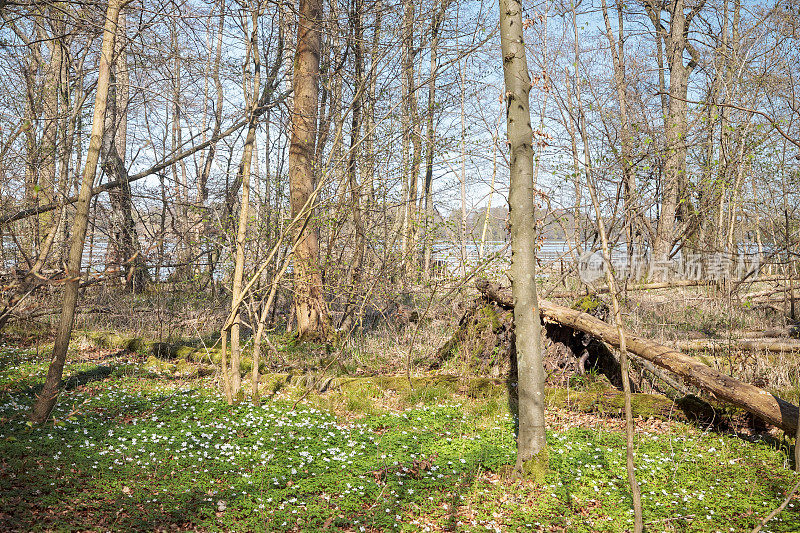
<point x="360" y="394"/>
<point x="87" y="376"/>
<point x="111" y="340"/>
<point x="481" y="343"/>
<point x="611" y="403"/>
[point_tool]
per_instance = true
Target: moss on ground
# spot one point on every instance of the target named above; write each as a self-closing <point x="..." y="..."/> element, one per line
<point x="536" y="468"/>
<point x="487" y="317"/>
<point x="588" y="304"/>
<point x="353" y="393"/>
<point x="360" y="394"/>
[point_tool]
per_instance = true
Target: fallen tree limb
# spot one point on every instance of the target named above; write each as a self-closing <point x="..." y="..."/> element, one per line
<point x="768" y="292"/>
<point x="680" y="388"/>
<point x="760" y="345"/>
<point x="54" y="311"/>
<point x="641" y="287"/>
<point x="777" y="511"/>
<point x="766" y="406"/>
<point x="759" y="278"/>
<point x="772" y="333"/>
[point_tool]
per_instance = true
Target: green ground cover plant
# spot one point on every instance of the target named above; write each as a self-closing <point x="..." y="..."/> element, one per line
<point x="133" y="450"/>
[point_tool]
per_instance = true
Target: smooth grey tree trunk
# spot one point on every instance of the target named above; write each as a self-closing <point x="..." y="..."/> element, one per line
<point x="531" y="447"/>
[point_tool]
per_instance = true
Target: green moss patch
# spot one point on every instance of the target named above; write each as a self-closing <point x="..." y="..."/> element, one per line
<point x="610" y="402"/>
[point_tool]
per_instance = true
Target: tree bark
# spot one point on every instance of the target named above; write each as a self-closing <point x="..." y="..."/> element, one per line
<point x="212" y="149"/>
<point x="674" y="284"/>
<point x="180" y="220"/>
<point x="368" y="168"/>
<point x="675" y="121"/>
<point x="47" y="398"/>
<point x="407" y="88"/>
<point x="636" y="493"/>
<point x="625" y="154"/>
<point x="125" y="254"/>
<point x="244" y="205"/>
<point x="462" y="177"/>
<point x="755" y="345"/>
<point x="430" y="138"/>
<point x="531" y="447"/>
<point x="47" y="179"/>
<point x="31" y="65"/>
<point x="308" y="302"/>
<point x="356" y="265"/>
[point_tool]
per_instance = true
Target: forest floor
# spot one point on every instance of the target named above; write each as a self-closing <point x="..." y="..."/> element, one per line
<point x="132" y="448"/>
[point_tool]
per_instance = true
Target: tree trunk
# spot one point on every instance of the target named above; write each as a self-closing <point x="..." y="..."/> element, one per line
<point x="623" y="351"/>
<point x="569" y="121"/>
<point x="625" y="154"/>
<point x="531" y="450"/>
<point x="308" y="301"/>
<point x="753" y="345"/>
<point x="47" y="398"/>
<point x="411" y="144"/>
<point x="356" y="265"/>
<point x="209" y="159"/>
<point x="47" y="180"/>
<point x="675" y="121"/>
<point x="368" y="168"/>
<point x="430" y="138"/>
<point x="183" y="246"/>
<point x="73" y="99"/>
<point x="244" y="205"/>
<point x="30" y="230"/>
<point x="125" y="254"/>
<point x="462" y="178"/>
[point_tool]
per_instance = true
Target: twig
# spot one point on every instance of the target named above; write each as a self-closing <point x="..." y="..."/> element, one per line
<point x="157" y="407"/>
<point x="314" y="386"/>
<point x="782" y="506"/>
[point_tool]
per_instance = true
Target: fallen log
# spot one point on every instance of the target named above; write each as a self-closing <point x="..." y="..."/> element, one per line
<point x="771" y="334"/>
<point x="769" y="293"/>
<point x="759" y="402"/>
<point x="759" y="279"/>
<point x="759" y="345"/>
<point x="641" y="287"/>
<point x="679" y="388"/>
<point x="771" y="277"/>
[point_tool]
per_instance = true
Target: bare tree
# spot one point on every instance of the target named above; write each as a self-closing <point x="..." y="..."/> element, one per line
<point x="430" y="137"/>
<point x="47" y="398"/>
<point x="126" y="255"/>
<point x="674" y="178"/>
<point x="531" y="447"/>
<point x="309" y="305"/>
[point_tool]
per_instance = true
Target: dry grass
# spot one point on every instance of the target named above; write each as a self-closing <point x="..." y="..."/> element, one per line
<point x="665" y="316"/>
<point x="699" y="312"/>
